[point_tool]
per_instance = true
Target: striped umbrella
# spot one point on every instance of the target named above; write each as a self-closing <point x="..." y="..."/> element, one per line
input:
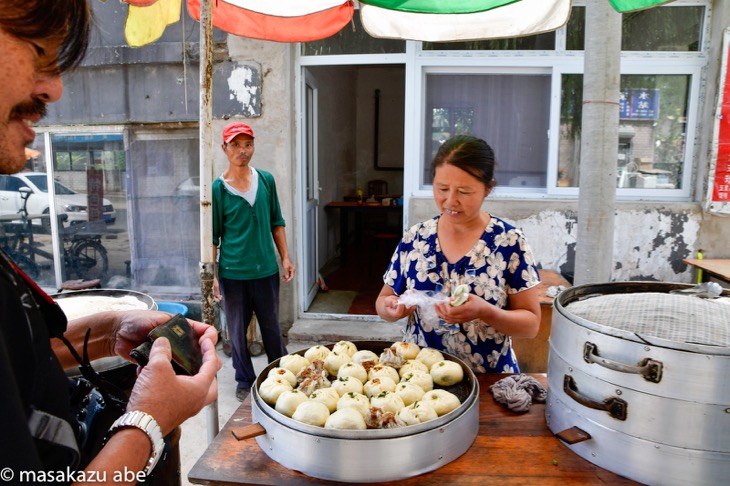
<point x="427" y="20"/>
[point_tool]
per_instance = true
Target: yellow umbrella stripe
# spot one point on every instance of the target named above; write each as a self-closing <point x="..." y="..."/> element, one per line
<point x="147" y="24"/>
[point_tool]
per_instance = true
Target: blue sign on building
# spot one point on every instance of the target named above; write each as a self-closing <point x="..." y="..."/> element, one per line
<point x="640" y="104"/>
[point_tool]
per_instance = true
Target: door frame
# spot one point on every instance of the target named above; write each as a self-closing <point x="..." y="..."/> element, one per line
<point x="308" y="136"/>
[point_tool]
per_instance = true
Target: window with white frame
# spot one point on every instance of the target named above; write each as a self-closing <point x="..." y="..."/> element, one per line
<point x="516" y="112"/>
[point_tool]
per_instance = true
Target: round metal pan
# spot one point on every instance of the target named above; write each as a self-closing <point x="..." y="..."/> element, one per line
<point x="146" y="299"/>
<point x="373" y="455"/>
<point x="114" y="368"/>
<point x="466" y="391"/>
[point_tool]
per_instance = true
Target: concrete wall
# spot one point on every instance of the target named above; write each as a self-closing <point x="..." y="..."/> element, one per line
<point x="650" y="241"/>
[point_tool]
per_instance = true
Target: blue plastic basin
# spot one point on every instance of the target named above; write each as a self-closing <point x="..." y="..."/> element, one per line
<point x="173" y="308"/>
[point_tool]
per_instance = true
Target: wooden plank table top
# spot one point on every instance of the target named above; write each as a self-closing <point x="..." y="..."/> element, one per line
<point x="510" y="449"/>
<point x="717" y="267"/>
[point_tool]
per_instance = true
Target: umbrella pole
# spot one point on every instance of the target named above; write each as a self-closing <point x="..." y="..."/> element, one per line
<point x="206" y="178"/>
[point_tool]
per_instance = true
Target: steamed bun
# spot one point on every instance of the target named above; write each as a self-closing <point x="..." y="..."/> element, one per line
<point x="376" y="386"/>
<point x="380" y="370"/>
<point x="294" y="363"/>
<point x="284" y="373"/>
<point x="345" y="347"/>
<point x="328" y="396"/>
<point x="335" y="360"/>
<point x="412" y="365"/>
<point x="347" y="384"/>
<point x="346" y="418"/>
<point x="441" y="401"/>
<point x="311" y="412"/>
<point x="406" y="350"/>
<point x="353" y="369"/>
<point x="358" y="401"/>
<point x="272" y="387"/>
<point x="429" y="356"/>
<point x="288" y="402"/>
<point x="420" y="378"/>
<point x="388" y="402"/>
<point x="409" y="392"/>
<point x="316" y="352"/>
<point x="447" y="373"/>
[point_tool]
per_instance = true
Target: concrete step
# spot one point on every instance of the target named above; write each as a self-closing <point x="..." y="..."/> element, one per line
<point x="330" y="331"/>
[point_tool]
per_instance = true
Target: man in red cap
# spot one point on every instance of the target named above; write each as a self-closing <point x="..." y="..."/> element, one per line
<point x="247" y="224"/>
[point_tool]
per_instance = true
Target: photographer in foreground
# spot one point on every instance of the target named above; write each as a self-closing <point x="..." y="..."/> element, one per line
<point x="40" y="39"/>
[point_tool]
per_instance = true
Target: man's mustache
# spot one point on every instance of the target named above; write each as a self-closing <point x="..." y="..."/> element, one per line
<point x="29" y="109"/>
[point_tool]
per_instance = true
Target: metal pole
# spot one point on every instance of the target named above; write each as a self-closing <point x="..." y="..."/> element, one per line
<point x="206" y="180"/>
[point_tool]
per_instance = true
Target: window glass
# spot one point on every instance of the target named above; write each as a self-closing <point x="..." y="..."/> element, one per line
<point x="575" y="31"/>
<point x="654" y="29"/>
<point x="90" y="200"/>
<point x="539" y="42"/>
<point x="509" y="111"/>
<point x="352" y="39"/>
<point x="652" y="128"/>
<point x="164" y="205"/>
<point x="663" y="29"/>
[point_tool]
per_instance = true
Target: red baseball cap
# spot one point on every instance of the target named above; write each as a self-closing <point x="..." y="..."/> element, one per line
<point x="236" y="128"/>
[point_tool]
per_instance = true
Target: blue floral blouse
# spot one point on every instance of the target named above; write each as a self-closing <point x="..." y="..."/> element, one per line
<point x="499" y="264"/>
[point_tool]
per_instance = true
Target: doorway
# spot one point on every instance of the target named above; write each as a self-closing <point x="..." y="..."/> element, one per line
<point x="359" y="135"/>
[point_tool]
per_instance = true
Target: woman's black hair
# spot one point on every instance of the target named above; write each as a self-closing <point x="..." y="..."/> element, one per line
<point x="470" y="154"/>
<point x="41" y="19"/>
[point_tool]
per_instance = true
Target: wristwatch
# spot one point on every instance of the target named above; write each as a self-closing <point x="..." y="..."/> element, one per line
<point x="149" y="426"/>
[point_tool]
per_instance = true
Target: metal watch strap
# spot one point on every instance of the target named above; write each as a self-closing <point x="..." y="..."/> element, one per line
<point x="149" y="426"/>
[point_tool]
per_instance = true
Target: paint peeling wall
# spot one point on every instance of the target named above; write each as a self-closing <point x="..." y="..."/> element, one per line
<point x="651" y="239"/>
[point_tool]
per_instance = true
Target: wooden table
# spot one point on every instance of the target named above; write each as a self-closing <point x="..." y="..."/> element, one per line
<point x="510" y="449"/>
<point x="360" y="211"/>
<point x="711" y="267"/>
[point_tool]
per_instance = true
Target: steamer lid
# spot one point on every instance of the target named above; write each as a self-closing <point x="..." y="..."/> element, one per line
<point x="678" y="318"/>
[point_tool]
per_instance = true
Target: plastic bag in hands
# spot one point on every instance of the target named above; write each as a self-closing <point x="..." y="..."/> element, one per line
<point x="425" y="300"/>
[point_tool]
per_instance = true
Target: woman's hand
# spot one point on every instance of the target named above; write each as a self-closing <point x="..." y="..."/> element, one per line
<point x="388" y="307"/>
<point x="520" y="319"/>
<point x="473" y="308"/>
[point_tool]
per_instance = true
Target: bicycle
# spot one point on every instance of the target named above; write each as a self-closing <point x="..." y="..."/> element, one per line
<point x="84" y="256"/>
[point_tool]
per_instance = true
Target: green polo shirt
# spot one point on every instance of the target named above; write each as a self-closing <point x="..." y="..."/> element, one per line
<point x="242" y="232"/>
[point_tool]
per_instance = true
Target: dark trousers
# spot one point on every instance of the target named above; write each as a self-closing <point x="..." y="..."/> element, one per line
<point x="241" y="299"/>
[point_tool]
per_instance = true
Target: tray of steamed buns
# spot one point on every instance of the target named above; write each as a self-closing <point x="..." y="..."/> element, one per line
<point x="364" y="389"/>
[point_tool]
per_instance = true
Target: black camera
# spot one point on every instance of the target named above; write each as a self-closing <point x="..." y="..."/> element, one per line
<point x="186" y="355"/>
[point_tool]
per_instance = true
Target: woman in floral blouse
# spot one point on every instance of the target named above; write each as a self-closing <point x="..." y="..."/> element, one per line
<point x="464" y="246"/>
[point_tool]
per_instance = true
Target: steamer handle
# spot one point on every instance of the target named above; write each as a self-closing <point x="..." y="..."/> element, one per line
<point x="248" y="431"/>
<point x="615" y="407"/>
<point x="649" y="368"/>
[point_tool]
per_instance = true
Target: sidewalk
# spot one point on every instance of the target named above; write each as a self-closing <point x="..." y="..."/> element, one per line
<point x="302" y="335"/>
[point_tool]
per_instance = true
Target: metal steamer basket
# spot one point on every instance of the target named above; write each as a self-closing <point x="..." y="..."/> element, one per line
<point x="638" y="383"/>
<point x="115" y="369"/>
<point x="375" y="455"/>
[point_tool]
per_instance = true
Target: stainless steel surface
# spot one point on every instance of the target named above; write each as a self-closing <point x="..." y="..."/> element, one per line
<point x="641" y="460"/>
<point x="682" y="423"/>
<point x="658" y="411"/>
<point x="368" y="455"/>
<point x="149" y="301"/>
<point x="114" y="365"/>
<point x="686" y="374"/>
